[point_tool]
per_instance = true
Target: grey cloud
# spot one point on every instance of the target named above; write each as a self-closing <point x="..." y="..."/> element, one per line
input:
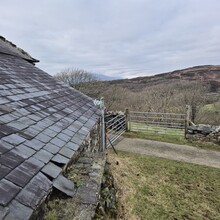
<point x="117" y="37"/>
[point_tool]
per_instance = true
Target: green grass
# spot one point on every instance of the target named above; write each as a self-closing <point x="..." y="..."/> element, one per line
<point x="211" y="107"/>
<point x="171" y="139"/>
<point x="155" y="188"/>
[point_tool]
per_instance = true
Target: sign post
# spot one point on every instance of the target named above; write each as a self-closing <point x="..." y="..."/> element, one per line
<point x="100" y="102"/>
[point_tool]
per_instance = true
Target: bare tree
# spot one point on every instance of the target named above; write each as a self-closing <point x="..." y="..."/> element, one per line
<point x="74" y="77"/>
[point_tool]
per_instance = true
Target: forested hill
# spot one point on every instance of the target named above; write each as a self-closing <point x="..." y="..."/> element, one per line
<point x="208" y="74"/>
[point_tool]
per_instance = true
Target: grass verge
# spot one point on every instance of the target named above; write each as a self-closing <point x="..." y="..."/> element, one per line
<point x="155" y="188"/>
<point x="172" y="139"/>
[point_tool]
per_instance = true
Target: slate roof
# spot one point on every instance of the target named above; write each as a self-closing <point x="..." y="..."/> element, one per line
<point x="42" y="124"/>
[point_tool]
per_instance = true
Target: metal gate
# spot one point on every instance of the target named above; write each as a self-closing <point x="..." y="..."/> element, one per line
<point x="157" y="123"/>
<point x="115" y="127"/>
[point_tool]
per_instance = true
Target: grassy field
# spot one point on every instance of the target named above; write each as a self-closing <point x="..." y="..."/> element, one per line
<point x="155" y="188"/>
<point x="172" y="139"/>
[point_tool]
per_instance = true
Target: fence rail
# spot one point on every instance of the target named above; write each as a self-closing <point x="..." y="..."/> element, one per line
<point x="157" y="122"/>
<point x="115" y="127"/>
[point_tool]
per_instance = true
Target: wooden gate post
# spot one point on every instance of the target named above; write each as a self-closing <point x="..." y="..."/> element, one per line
<point x="127" y="119"/>
<point x="187" y="120"/>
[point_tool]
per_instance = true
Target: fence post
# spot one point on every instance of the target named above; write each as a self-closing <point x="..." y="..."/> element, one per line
<point x="102" y="107"/>
<point x="105" y="131"/>
<point x="187" y="120"/>
<point x="127" y="119"/>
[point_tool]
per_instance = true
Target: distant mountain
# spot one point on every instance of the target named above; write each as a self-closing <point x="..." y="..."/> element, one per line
<point x="207" y="74"/>
<point x="106" y="78"/>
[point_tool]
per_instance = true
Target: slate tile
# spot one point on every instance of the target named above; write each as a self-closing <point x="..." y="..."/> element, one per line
<point x="3" y="212"/>
<point x="67" y="152"/>
<point x="43" y="156"/>
<point x="35" y="144"/>
<point x="26" y="121"/>
<point x="83" y="119"/>
<point x="18" y="125"/>
<point x="56" y="141"/>
<point x="55" y="128"/>
<point x="47" y="121"/>
<point x="10" y="86"/>
<point x="1" y="135"/>
<point x="64" y="185"/>
<point x="4" y="171"/>
<point x="77" y="140"/>
<point x="14" y="98"/>
<point x="73" y="129"/>
<point x="18" y="211"/>
<point x="3" y="100"/>
<point x="13" y="139"/>
<point x="31" y="195"/>
<point x="31" y="89"/>
<point x="23" y="111"/>
<point x="90" y="123"/>
<point x="32" y="165"/>
<point x="5" y="147"/>
<point x="34" y="117"/>
<point x="19" y="177"/>
<point x="42" y="125"/>
<point x="51" y="170"/>
<point x="68" y="132"/>
<point x="44" y="138"/>
<point x="72" y="146"/>
<point x="25" y="135"/>
<point x="84" y="131"/>
<point x="24" y="151"/>
<point x="8" y="191"/>
<point x="31" y="131"/>
<point x="60" y="159"/>
<point x="6" y="130"/>
<point x="7" y="118"/>
<point x="51" y="148"/>
<point x="6" y="109"/>
<point x="42" y="181"/>
<point x="2" y="86"/>
<point x="63" y="137"/>
<point x="11" y="159"/>
<point x="50" y="132"/>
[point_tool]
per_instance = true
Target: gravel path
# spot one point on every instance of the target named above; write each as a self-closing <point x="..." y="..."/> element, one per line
<point x="170" y="151"/>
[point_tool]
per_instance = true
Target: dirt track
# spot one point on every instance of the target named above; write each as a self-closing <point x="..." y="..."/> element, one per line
<point x="171" y="151"/>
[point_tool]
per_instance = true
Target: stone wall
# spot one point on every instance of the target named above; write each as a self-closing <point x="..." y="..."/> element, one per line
<point x="93" y="140"/>
<point x="204" y="133"/>
<point x="83" y="162"/>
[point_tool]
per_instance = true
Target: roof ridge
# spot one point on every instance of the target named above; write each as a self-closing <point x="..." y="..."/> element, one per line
<point x="14" y="50"/>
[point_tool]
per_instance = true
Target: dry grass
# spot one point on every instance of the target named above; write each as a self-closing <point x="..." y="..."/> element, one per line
<point x="155" y="188"/>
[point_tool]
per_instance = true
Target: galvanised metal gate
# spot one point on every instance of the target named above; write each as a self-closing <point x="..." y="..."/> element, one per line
<point x="157" y="123"/>
<point x="115" y="127"/>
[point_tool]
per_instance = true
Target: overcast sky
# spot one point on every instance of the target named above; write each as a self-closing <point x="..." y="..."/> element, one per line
<point x="120" y="38"/>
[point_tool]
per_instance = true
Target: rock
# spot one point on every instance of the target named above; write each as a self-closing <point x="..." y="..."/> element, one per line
<point x="204" y="133"/>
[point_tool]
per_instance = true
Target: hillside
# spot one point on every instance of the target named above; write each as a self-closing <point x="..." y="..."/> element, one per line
<point x="207" y="75"/>
<point x="168" y="92"/>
